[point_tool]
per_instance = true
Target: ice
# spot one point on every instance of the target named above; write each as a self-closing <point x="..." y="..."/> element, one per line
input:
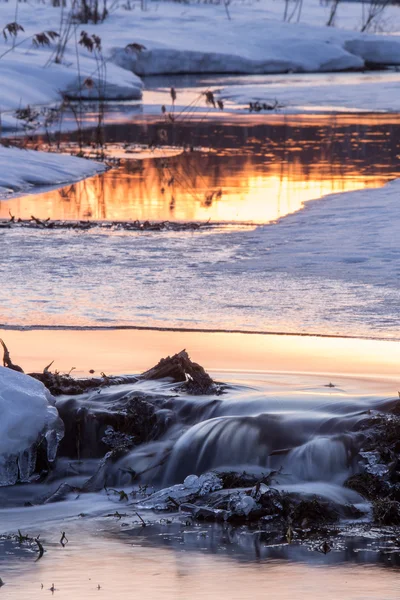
<point x="192" y="487"/>
<point x="27" y="416"/>
<point x="340" y="92"/>
<point x="374" y="465"/>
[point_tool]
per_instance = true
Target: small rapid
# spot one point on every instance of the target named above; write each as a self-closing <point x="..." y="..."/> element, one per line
<point x="308" y="440"/>
<point x="151" y="434"/>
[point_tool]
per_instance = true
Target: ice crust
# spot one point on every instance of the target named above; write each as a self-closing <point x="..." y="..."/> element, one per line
<point x="27" y="416"/>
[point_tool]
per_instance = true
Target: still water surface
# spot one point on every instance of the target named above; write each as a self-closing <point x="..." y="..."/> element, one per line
<point x="247" y="172"/>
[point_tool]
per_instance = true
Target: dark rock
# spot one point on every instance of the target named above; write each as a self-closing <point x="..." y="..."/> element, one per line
<point x="205" y="513"/>
<point x="315" y="511"/>
<point x="104" y="470"/>
<point x="61" y="493"/>
<point x="89" y="420"/>
<point x="386" y="512"/>
<point x="368" y="485"/>
<point x="234" y="479"/>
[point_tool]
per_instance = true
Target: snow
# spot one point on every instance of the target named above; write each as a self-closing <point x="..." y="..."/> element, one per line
<point x="27" y="80"/>
<point x="200" y="39"/>
<point x="26" y="416"/>
<point x="30" y="76"/>
<point x="21" y="170"/>
<point x="189" y="38"/>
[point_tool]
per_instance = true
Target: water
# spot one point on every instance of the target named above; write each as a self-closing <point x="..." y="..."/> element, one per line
<point x="305" y="433"/>
<point x="264" y="171"/>
<point x="203" y="562"/>
<point x="228" y="277"/>
<point x="170" y="558"/>
<point x="256" y="173"/>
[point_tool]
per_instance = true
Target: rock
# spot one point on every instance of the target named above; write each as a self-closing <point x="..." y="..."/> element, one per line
<point x="235" y="479"/>
<point x="314" y="512"/>
<point x="61" y="384"/>
<point x="94" y="423"/>
<point x="192" y="489"/>
<point x="369" y="485"/>
<point x="61" y="493"/>
<point x="386" y="512"/>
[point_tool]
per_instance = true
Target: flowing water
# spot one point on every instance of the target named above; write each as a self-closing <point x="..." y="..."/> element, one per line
<point x="297" y="426"/>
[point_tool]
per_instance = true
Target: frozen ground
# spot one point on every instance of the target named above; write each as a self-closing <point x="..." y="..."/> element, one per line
<point x="332" y="268"/>
<point x="22" y="170"/>
<point x="181" y="38"/>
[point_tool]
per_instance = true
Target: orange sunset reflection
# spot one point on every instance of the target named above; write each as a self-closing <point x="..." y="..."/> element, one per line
<point x="196" y="186"/>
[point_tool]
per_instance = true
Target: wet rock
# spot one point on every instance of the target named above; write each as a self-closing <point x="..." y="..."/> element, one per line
<point x="61" y="493"/>
<point x="374" y="463"/>
<point x="386" y="512"/>
<point x="235" y="479"/>
<point x="315" y="511"/>
<point x="380" y="456"/>
<point x="104" y="471"/>
<point x="205" y="513"/>
<point x="97" y="422"/>
<point x="242" y="505"/>
<point x="181" y="369"/>
<point x="368" y="485"/>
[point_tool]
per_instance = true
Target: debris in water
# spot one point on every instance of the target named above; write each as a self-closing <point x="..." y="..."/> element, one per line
<point x="182" y="370"/>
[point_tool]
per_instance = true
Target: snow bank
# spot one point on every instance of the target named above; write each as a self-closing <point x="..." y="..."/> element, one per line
<point x="375" y="52"/>
<point x="294" y="55"/>
<point x="183" y="39"/>
<point x="30" y="76"/>
<point x="26" y="418"/>
<point x="20" y="170"/>
<point x="26" y="80"/>
<point x="200" y="39"/>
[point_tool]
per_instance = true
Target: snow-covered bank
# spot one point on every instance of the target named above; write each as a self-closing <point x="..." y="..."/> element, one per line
<point x="200" y="39"/>
<point x="21" y="170"/>
<point x="170" y="38"/>
<point x="31" y="76"/>
<point x="27" y="80"/>
<point x="27" y="417"/>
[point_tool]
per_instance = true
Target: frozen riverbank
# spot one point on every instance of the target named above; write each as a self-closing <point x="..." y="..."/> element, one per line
<point x="169" y="38"/>
<point x="23" y="170"/>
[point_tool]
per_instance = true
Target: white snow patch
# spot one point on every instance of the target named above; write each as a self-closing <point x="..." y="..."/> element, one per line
<point x="20" y="170"/>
